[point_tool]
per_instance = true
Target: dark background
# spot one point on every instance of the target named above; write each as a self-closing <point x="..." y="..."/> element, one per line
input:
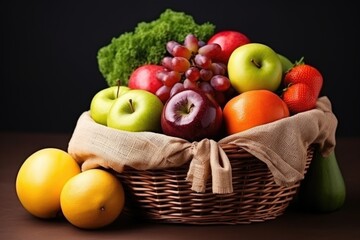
<point x="49" y="70"/>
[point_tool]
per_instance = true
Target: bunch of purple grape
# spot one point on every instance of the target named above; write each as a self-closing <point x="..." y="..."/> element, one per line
<point x="193" y="65"/>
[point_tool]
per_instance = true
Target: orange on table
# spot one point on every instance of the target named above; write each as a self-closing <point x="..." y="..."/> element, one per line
<point x="41" y="178"/>
<point x="253" y="108"/>
<point x="92" y="199"/>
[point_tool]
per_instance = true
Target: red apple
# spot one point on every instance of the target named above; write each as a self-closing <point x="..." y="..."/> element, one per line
<point x="144" y="77"/>
<point x="190" y="114"/>
<point x="228" y="40"/>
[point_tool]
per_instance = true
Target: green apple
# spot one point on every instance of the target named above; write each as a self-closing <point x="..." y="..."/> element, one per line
<point x="254" y="66"/>
<point x="135" y="111"/>
<point x="102" y="102"/>
<point x="286" y="64"/>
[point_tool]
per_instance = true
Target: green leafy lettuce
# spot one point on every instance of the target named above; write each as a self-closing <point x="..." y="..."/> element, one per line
<point x="147" y="44"/>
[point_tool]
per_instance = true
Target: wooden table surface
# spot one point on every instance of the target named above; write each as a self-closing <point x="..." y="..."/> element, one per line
<point x="16" y="223"/>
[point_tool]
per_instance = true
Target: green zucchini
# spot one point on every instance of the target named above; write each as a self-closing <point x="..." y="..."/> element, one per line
<point x="323" y="188"/>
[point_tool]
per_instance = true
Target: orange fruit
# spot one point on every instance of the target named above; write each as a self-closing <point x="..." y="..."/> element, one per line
<point x="253" y="108"/>
<point x="92" y="199"/>
<point x="41" y="178"/>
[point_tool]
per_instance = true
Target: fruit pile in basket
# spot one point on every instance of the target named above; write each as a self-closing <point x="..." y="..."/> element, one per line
<point x="209" y="89"/>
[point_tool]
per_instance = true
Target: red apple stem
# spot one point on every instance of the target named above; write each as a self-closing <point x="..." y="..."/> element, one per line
<point x="131" y="105"/>
<point x="191" y="107"/>
<point x="255" y="63"/>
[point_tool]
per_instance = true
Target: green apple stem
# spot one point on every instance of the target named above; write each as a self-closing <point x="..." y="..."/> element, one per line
<point x="255" y="63"/>
<point x="131" y="105"/>
<point x="118" y="89"/>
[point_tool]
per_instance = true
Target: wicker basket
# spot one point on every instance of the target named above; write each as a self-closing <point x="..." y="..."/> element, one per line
<point x="165" y="196"/>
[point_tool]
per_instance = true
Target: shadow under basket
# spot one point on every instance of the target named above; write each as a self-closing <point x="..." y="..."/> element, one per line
<point x="165" y="196"/>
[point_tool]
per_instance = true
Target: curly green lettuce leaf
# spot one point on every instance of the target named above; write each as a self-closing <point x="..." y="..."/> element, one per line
<point x="147" y="44"/>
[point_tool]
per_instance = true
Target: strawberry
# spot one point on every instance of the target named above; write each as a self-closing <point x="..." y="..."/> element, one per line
<point x="303" y="84"/>
<point x="299" y="97"/>
<point x="307" y="74"/>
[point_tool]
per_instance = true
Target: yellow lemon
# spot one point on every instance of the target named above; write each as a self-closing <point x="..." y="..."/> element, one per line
<point x="92" y="199"/>
<point x="41" y="178"/>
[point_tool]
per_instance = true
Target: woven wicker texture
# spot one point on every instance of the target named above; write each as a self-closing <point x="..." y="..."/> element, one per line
<point x="165" y="196"/>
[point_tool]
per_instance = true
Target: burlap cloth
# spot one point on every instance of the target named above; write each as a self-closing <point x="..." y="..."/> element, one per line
<point x="282" y="145"/>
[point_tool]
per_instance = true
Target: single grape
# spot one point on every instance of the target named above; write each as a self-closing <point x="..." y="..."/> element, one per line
<point x="181" y="51"/>
<point x="170" y="46"/>
<point x="180" y="64"/>
<point x="206" y="87"/>
<point x="190" y="84"/>
<point x="220" y="83"/>
<point x="218" y="68"/>
<point x="166" y="62"/>
<point x="193" y="74"/>
<point x="206" y="74"/>
<point x="161" y="75"/>
<point x="176" y="88"/>
<point x="163" y="93"/>
<point x="171" y="78"/>
<point x="211" y="50"/>
<point x="192" y="43"/>
<point x="202" y="61"/>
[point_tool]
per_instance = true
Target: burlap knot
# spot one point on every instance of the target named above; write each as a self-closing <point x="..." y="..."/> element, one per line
<point x="282" y="145"/>
<point x="210" y="159"/>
